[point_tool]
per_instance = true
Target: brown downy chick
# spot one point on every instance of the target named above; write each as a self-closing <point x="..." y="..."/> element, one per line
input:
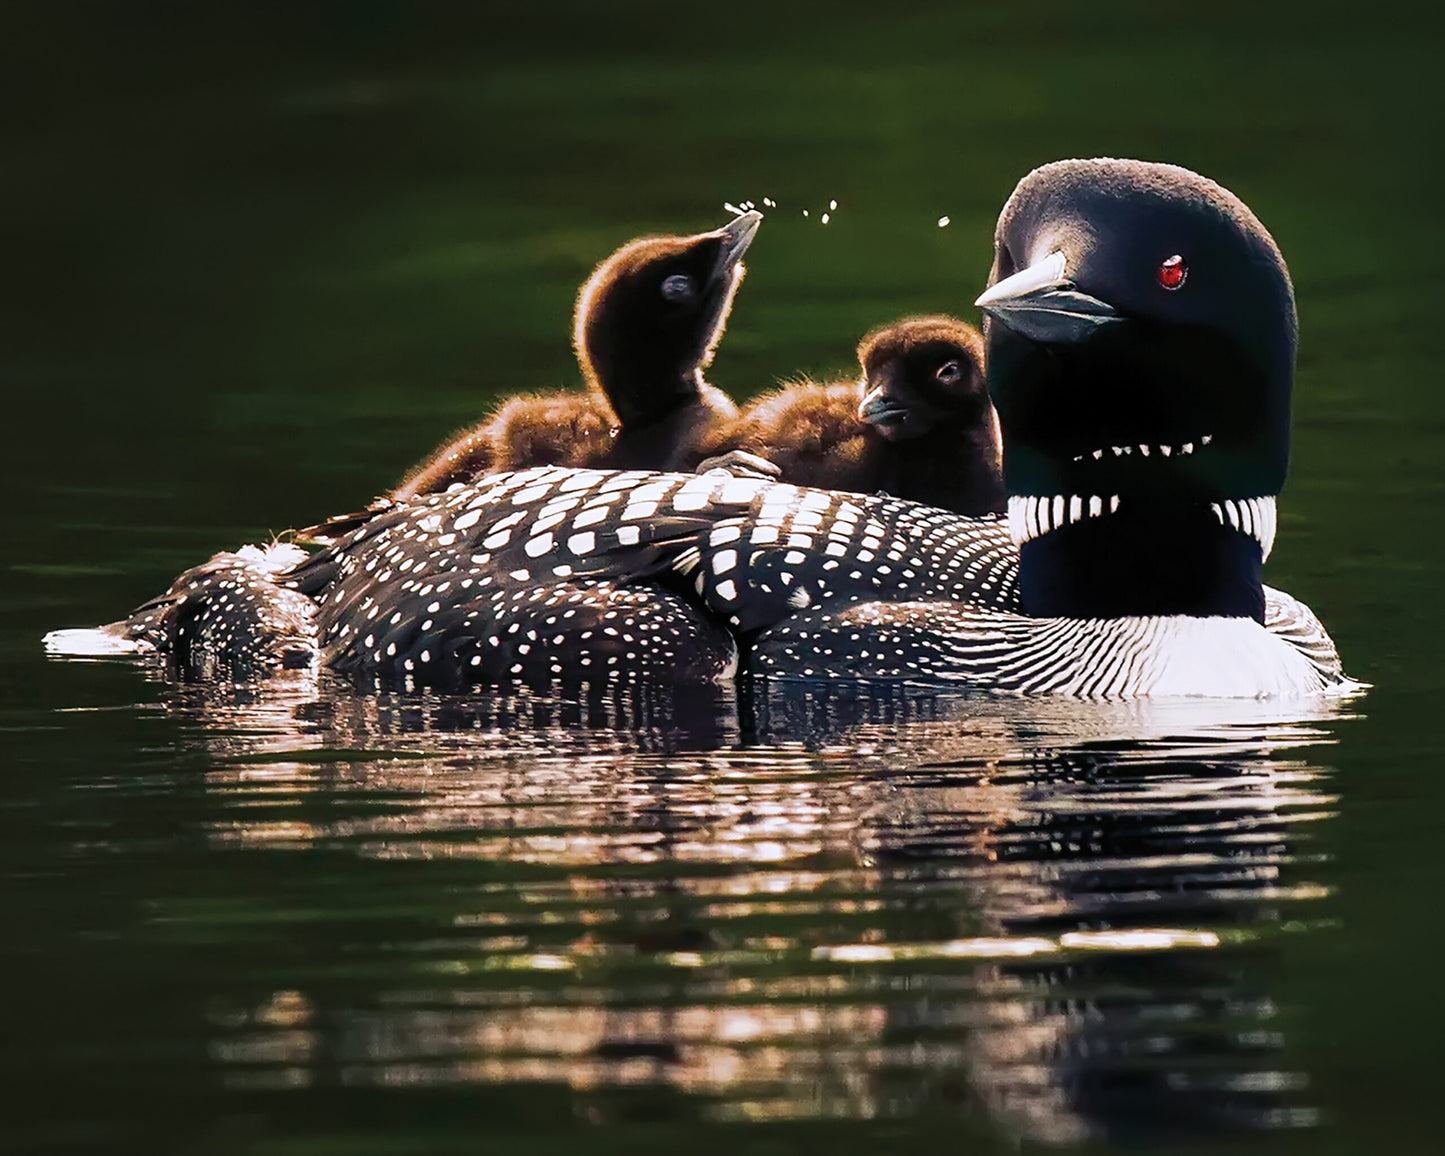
<point x="918" y="424"/>
<point x="646" y="325"/>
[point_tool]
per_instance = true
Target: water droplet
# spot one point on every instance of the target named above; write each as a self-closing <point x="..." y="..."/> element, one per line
<point x="825" y="218"/>
<point x="833" y="205"/>
<point x="943" y="222"/>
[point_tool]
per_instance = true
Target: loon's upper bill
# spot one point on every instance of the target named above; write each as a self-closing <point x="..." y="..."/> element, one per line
<point x="1144" y="420"/>
<point x="1042" y="303"/>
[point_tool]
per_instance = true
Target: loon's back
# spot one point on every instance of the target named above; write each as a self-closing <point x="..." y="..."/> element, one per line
<point x="697" y="561"/>
<point x="554" y="573"/>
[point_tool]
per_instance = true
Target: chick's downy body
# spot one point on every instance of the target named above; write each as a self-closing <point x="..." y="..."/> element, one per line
<point x="647" y="323"/>
<point x="916" y="424"/>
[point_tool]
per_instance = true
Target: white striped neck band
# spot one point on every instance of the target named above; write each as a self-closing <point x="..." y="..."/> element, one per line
<point x="1031" y="516"/>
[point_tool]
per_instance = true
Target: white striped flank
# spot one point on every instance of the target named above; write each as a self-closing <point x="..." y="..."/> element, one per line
<point x="953" y="643"/>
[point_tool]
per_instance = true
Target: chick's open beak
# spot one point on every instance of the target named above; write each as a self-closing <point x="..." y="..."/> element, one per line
<point x="736" y="236"/>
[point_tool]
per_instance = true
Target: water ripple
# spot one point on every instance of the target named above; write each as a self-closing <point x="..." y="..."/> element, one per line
<point x="1060" y="918"/>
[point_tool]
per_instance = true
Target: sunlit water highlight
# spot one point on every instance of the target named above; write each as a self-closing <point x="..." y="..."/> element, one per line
<point x="810" y="904"/>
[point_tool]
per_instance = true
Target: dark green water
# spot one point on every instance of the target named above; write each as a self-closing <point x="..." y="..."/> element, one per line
<point x="258" y="264"/>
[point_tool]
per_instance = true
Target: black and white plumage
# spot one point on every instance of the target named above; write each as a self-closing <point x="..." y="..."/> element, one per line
<point x="229" y="619"/>
<point x="538" y="576"/>
<point x="556" y="575"/>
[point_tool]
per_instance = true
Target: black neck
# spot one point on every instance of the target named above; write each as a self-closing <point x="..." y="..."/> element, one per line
<point x="639" y="400"/>
<point x="1143" y="562"/>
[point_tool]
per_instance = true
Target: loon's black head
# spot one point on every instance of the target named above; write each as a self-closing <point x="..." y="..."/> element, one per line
<point x="922" y="373"/>
<point x="650" y="316"/>
<point x="1140" y="330"/>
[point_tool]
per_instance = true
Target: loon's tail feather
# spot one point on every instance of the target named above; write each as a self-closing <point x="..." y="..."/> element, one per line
<point x="108" y="641"/>
<point x="339" y="526"/>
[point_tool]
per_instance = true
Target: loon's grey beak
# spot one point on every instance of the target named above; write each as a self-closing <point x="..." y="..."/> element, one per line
<point x="736" y="236"/>
<point x="1042" y="304"/>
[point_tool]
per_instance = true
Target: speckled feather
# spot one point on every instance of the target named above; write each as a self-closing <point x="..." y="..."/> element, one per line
<point x="535" y="576"/>
<point x="227" y="619"/>
<point x="797" y="548"/>
<point x="987" y="648"/>
<point x="525" y="575"/>
<point x="556" y="574"/>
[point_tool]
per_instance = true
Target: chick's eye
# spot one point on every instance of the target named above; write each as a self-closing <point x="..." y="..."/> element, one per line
<point x="678" y="287"/>
<point x="949" y="372"/>
<point x="1171" y="272"/>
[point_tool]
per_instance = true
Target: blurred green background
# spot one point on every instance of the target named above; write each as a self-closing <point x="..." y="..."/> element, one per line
<point x="260" y="258"/>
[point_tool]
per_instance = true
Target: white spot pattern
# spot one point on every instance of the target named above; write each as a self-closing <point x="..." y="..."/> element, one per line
<point x="921" y="593"/>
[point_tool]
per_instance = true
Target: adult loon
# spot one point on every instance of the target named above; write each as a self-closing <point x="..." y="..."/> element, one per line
<point x="1140" y="333"/>
<point x="917" y="423"/>
<point x="647" y="323"/>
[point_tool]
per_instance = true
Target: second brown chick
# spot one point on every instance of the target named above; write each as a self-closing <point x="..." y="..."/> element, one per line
<point x="917" y="424"/>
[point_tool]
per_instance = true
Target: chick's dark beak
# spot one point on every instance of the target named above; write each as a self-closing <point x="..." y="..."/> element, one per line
<point x="1041" y="303"/>
<point x="885" y="409"/>
<point x="736" y="236"/>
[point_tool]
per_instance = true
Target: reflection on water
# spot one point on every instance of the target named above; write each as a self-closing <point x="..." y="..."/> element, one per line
<point x="1046" y="915"/>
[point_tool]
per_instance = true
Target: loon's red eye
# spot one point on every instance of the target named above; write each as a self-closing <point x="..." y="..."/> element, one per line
<point x="1172" y="271"/>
